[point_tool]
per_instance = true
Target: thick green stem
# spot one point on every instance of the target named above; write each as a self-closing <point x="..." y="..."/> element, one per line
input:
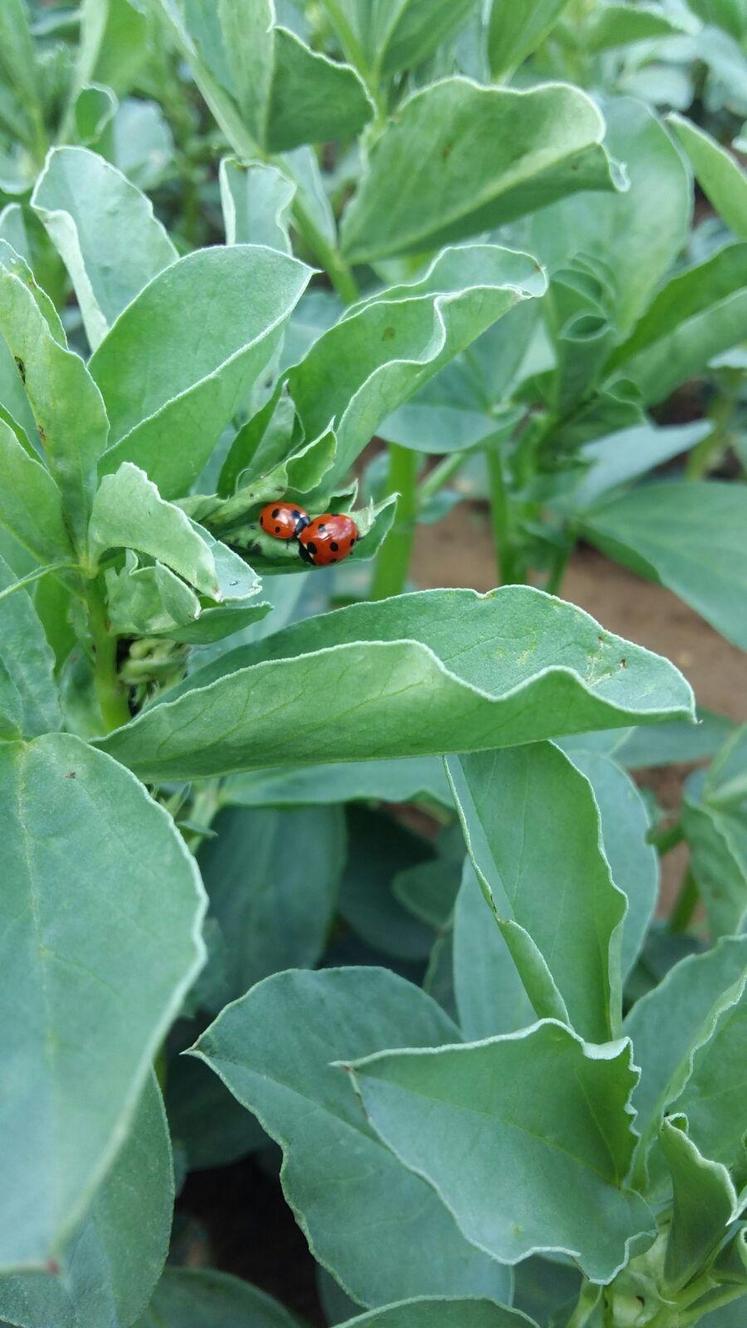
<point x="507" y="552"/>
<point x="437" y="478"/>
<point x="667" y="839"/>
<point x="109" y="692"/>
<point x="393" y="558"/>
<point x="685" y="906"/>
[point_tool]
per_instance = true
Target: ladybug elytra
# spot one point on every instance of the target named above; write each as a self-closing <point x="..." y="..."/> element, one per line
<point x="327" y="539"/>
<point x="284" y="521"/>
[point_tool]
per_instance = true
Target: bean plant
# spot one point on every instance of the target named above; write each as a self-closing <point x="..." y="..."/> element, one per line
<point x="301" y="863"/>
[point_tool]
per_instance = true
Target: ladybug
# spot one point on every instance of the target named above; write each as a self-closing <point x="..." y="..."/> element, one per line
<point x="328" y="539"/>
<point x="284" y="521"/>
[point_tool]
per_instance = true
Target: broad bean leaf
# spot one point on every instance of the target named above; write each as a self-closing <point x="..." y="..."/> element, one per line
<point x="384" y="38"/>
<point x="514" y="31"/>
<point x="667" y="1025"/>
<point x="688" y="535"/>
<point x="532" y="829"/>
<point x="282" y="91"/>
<point x="416" y="675"/>
<point x="495" y="154"/>
<point x="30" y="502"/>
<point x="634" y="863"/>
<point x="143" y="143"/>
<point x="67" y="405"/>
<point x="202" y="1298"/>
<point x="720" y="177"/>
<point x="715" y="825"/>
<point x="445" y="1313"/>
<point x="113" y="1260"/>
<point x="677" y="741"/>
<point x="704" y="1203"/>
<point x="618" y="458"/>
<point x="128" y="511"/>
<point x="379" y="849"/>
<point x="272" y="879"/>
<point x="274" y="1049"/>
<point x="113" y="45"/>
<point x="636" y="243"/>
<point x="256" y="199"/>
<point x="697" y="314"/>
<point x="18" y="60"/>
<point x="29" y="704"/>
<point x="171" y="383"/>
<point x="407" y="780"/>
<point x="712" y="1098"/>
<point x="387" y="347"/>
<point x="105" y="230"/>
<point x="490" y="995"/>
<point x="522" y="1137"/>
<point x="77" y="824"/>
<point x="612" y="25"/>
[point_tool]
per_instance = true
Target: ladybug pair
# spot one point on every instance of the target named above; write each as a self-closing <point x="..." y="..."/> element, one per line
<point x="327" y="539"/>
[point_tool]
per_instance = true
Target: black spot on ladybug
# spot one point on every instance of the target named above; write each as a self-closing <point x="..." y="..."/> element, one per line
<point x="334" y="560"/>
<point x="311" y="547"/>
<point x="295" y="513"/>
<point x="277" y="530"/>
<point x="352" y="542"/>
<point x="71" y="774"/>
<point x="389" y="334"/>
<point x="334" y="546"/>
<point x="275" y="513"/>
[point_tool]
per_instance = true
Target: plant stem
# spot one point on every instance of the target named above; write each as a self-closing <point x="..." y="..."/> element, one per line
<point x="109" y="691"/>
<point x="510" y="571"/>
<point x="667" y="839"/>
<point x="557" y="571"/>
<point x="393" y="558"/>
<point x="687" y="902"/>
<point x="437" y="478"/>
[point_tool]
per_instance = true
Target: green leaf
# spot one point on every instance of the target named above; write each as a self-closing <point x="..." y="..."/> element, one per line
<point x="668" y="1024"/>
<point x="531" y="822"/>
<point x="495" y="154"/>
<point x="634" y="863"/>
<point x="147" y="600"/>
<point x="521" y="666"/>
<point x="385" y="348"/>
<point x="621" y="457"/>
<point x="635" y="242"/>
<point x="114" y="1259"/>
<point x="66" y="403"/>
<point x="408" y="780"/>
<point x="689" y="536"/>
<point x="113" y="45"/>
<point x="382" y="39"/>
<point x="105" y="230"/>
<point x="379" y="849"/>
<point x="514" y="31"/>
<point x="274" y="1049"/>
<point x="704" y="1203"/>
<point x="675" y="742"/>
<point x="715" y="825"/>
<point x="272" y="879"/>
<point x="18" y="58"/>
<point x="256" y="200"/>
<point x="291" y="476"/>
<point x="129" y="512"/>
<point x="202" y="1298"/>
<point x="720" y="177"/>
<point x="172" y="382"/>
<point x="445" y="1313"/>
<point x="143" y="143"/>
<point x="88" y="1019"/>
<point x="522" y="1137"/>
<point x="490" y="995"/>
<point x="29" y="704"/>
<point x="699" y="313"/>
<point x="205" y="1119"/>
<point x="713" y="1096"/>
<point x="30" y="502"/>
<point x="283" y="92"/>
<point x="612" y="25"/>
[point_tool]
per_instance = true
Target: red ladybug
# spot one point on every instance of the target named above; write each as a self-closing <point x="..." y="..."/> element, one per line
<point x="327" y="539"/>
<point x="284" y="521"/>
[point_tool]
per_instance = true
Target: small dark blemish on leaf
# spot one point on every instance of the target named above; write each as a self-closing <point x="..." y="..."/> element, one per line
<point x="21" y="367"/>
<point x="446" y="151"/>
<point x="623" y="663"/>
<point x="71" y="774"/>
<point x="389" y="334"/>
<point x="52" y="1267"/>
<point x="42" y="435"/>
